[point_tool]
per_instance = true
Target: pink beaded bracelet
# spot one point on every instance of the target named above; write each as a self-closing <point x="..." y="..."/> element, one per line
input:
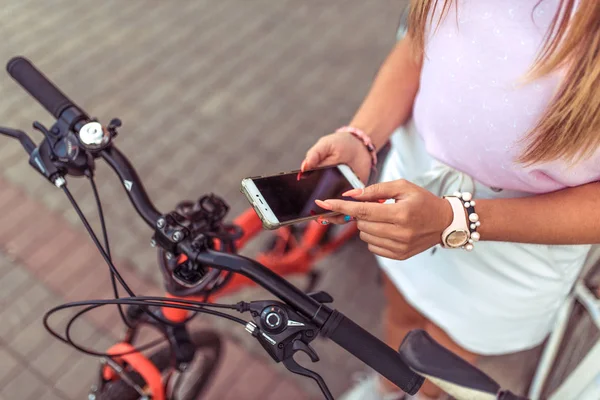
<point x="363" y="137"/>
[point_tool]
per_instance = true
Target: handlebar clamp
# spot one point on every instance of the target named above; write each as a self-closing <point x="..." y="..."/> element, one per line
<point x="169" y="231"/>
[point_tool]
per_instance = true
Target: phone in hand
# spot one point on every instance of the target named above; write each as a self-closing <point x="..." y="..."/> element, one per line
<point x="289" y="198"/>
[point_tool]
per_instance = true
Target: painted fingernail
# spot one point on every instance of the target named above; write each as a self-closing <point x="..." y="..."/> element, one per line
<point x="303" y="166"/>
<point x="324" y="222"/>
<point x="348" y="218"/>
<point x="324" y="205"/>
<point x="353" y="192"/>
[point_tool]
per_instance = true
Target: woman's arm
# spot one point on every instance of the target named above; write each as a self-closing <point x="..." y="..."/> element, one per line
<point x="390" y="100"/>
<point x="568" y="216"/>
<point x="417" y="219"/>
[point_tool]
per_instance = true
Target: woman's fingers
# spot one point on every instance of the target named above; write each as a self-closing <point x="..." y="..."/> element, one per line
<point x="380" y="251"/>
<point x="359" y="210"/>
<point x="318" y="154"/>
<point x="381" y="191"/>
<point x="383" y="242"/>
<point x="380" y="229"/>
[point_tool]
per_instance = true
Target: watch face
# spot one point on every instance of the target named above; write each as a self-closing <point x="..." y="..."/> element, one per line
<point x="457" y="238"/>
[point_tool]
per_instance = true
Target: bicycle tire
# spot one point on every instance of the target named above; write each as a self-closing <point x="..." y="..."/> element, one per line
<point x="194" y="379"/>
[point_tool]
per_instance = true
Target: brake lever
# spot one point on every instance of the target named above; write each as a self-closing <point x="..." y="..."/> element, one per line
<point x="296" y="368"/>
<point x="282" y="332"/>
<point x="22" y="137"/>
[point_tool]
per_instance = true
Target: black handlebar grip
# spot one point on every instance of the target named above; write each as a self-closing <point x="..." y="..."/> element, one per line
<point x="40" y="87"/>
<point x="372" y="352"/>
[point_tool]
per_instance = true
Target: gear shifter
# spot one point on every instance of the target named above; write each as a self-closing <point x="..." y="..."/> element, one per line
<point x="282" y="333"/>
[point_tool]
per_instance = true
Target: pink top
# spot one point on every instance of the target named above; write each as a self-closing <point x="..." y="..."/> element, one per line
<point x="471" y="108"/>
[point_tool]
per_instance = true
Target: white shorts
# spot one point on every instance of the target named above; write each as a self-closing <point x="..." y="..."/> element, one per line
<point x="500" y="298"/>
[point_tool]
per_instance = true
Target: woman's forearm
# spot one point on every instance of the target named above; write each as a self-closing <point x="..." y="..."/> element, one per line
<point x="569" y="216"/>
<point x="391" y="97"/>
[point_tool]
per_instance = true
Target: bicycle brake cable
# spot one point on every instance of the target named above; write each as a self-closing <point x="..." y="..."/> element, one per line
<point x="107" y="259"/>
<point x="107" y="245"/>
<point x="141" y="301"/>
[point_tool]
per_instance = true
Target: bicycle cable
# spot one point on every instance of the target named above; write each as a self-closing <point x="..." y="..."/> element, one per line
<point x="141" y="301"/>
<point x="107" y="259"/>
<point x="107" y="245"/>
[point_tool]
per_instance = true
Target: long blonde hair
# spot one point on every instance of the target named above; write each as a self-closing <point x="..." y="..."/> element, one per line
<point x="569" y="129"/>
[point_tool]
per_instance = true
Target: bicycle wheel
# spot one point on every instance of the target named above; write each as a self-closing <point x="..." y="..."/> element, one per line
<point x="191" y="383"/>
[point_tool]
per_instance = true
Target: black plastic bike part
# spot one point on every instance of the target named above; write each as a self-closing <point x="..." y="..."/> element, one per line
<point x="372" y="352"/>
<point x="322" y="297"/>
<point x="444" y="368"/>
<point x="39" y="157"/>
<point x="204" y="219"/>
<point x="44" y="91"/>
<point x="21" y="136"/>
<point x="296" y="368"/>
<point x="282" y="333"/>
<point x="278" y="323"/>
<point x="132" y="184"/>
<point x="170" y="230"/>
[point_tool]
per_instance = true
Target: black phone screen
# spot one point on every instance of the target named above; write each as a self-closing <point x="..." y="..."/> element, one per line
<point x="291" y="198"/>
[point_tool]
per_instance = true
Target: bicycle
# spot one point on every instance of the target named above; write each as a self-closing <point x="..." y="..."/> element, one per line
<point x="197" y="255"/>
<point x="583" y="381"/>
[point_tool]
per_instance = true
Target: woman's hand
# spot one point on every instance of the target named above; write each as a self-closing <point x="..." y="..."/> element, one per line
<point x="399" y="230"/>
<point x="340" y="148"/>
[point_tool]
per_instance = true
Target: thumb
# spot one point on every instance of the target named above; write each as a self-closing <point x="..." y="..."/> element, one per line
<point x="381" y="191"/>
<point x="316" y="155"/>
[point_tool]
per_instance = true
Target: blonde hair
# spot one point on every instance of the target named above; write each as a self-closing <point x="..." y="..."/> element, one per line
<point x="569" y="128"/>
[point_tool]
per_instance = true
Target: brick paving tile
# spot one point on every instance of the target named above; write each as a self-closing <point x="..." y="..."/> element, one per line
<point x="78" y="377"/>
<point x="287" y="391"/>
<point x="8" y="365"/>
<point x="257" y="376"/>
<point x="24" y="385"/>
<point x="234" y="360"/>
<point x="52" y="361"/>
<point x="11" y="282"/>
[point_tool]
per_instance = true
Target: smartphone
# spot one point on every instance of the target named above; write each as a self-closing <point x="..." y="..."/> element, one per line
<point x="289" y="198"/>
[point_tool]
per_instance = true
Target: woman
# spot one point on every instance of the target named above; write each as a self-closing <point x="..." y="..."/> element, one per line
<point x="499" y="101"/>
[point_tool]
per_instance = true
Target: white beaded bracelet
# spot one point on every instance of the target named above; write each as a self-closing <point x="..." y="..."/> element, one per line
<point x="474" y="222"/>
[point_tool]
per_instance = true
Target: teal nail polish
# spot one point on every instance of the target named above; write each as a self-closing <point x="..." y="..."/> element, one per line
<point x="347" y="218"/>
<point x="323" y="222"/>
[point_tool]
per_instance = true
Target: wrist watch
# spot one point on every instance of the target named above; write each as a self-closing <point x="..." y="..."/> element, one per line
<point x="457" y="234"/>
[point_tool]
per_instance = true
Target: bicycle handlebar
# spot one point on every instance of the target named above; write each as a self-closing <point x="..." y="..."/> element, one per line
<point x="132" y="184"/>
<point x="334" y="324"/>
<point x="347" y="334"/>
<point x="371" y="351"/>
<point x="40" y="87"/>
